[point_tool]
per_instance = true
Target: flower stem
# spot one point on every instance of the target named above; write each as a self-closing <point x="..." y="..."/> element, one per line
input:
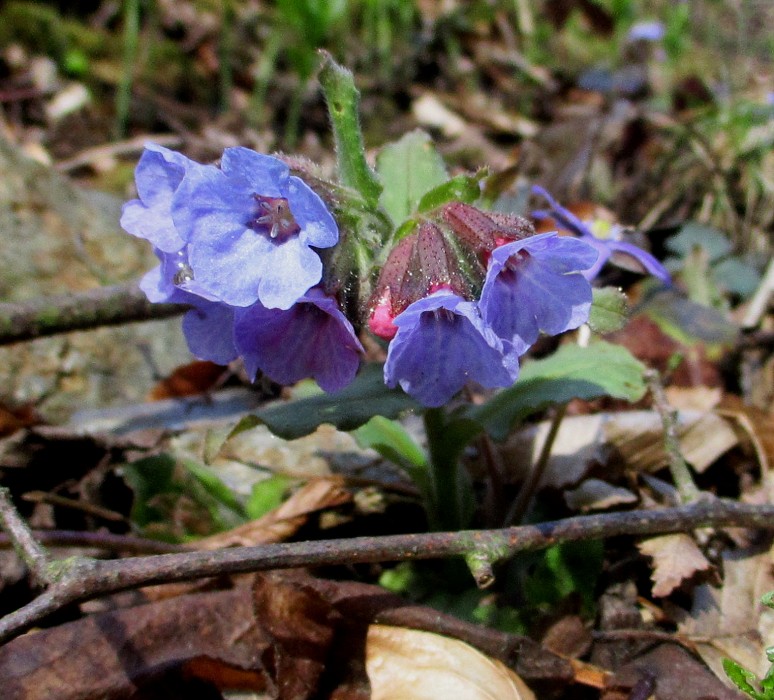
<point x="450" y="499"/>
<point x="342" y="99"/>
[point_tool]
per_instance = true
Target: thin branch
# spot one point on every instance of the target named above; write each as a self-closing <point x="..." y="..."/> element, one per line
<point x="103" y="306"/>
<point x="107" y="541"/>
<point x="33" y="555"/>
<point x="84" y="579"/>
<point x="681" y="474"/>
<point x="522" y="503"/>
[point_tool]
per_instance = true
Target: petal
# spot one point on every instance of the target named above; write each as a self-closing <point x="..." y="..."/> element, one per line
<point x="232" y="274"/>
<point x="318" y="227"/>
<point x="434" y="354"/>
<point x="210" y="206"/>
<point x="154" y="224"/>
<point x="651" y="265"/>
<point x="288" y="271"/>
<point x="538" y="295"/>
<point x="261" y="174"/>
<point x="312" y="339"/>
<point x="209" y="332"/>
<point x="565" y="217"/>
<point x="159" y="173"/>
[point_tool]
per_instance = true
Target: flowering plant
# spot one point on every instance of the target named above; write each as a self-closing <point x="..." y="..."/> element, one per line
<point x="287" y="271"/>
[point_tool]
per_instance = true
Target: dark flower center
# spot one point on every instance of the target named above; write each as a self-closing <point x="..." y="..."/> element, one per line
<point x="274" y="218"/>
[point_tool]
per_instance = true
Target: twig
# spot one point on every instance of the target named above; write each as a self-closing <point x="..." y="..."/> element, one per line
<point x="681" y="475"/>
<point x="104" y="306"/>
<point x="107" y="541"/>
<point x="33" y="555"/>
<point x="84" y="579"/>
<point x="521" y="504"/>
<point x="114" y="149"/>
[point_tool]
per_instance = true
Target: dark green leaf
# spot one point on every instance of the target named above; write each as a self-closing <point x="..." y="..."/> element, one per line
<point x="687" y="321"/>
<point x="347" y="409"/>
<point x="602" y="369"/>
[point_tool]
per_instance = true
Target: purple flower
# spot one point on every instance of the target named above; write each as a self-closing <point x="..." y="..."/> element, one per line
<point x="652" y="30"/>
<point x="209" y="325"/>
<point x="605" y="247"/>
<point x="311" y="339"/>
<point x="535" y="285"/>
<point x="441" y="343"/>
<point x="158" y="175"/>
<point x="250" y="226"/>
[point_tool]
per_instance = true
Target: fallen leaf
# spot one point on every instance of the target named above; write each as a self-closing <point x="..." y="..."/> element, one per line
<point x="284" y="521"/>
<point x="595" y="494"/>
<point x="675" y="558"/>
<point x="669" y="672"/>
<point x="188" y="380"/>
<point x="405" y="664"/>
<point x="117" y="654"/>
<point x="731" y="622"/>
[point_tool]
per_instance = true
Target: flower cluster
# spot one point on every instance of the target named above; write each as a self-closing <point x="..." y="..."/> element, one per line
<point x="462" y="297"/>
<point x="442" y="334"/>
<point x="237" y="243"/>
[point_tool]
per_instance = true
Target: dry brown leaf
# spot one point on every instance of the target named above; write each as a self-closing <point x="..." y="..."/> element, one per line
<point x="115" y="654"/>
<point x="731" y="622"/>
<point x="405" y="664"/>
<point x="675" y="558"/>
<point x="283" y="521"/>
<point x="595" y="494"/>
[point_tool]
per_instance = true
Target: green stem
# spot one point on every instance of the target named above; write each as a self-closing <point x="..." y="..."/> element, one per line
<point x="450" y="496"/>
<point x="131" y="37"/>
<point x="226" y="55"/>
<point x="342" y="99"/>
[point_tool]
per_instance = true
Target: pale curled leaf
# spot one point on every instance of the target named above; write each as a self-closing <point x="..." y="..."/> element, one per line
<point x="675" y="558"/>
<point x="405" y="664"/>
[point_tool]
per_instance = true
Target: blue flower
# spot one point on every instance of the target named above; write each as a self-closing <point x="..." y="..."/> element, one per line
<point x="311" y="339"/>
<point x="442" y="343"/>
<point x="158" y="175"/>
<point x="606" y="247"/>
<point x="250" y="227"/>
<point x="209" y="325"/>
<point x="534" y="285"/>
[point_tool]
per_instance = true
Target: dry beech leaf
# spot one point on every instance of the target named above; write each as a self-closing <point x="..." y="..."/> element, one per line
<point x="404" y="664"/>
<point x="286" y="519"/>
<point x="732" y="621"/>
<point x="675" y="558"/>
<point x="595" y="494"/>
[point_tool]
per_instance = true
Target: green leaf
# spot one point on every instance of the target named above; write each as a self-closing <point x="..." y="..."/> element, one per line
<point x="744" y="680"/>
<point x="392" y="441"/>
<point x="409" y="168"/>
<point x="602" y="369"/>
<point x="609" y="310"/>
<point x="214" y="487"/>
<point x="347" y="409"/>
<point x="694" y="235"/>
<point x="462" y="188"/>
<point x="267" y="495"/>
<point x="688" y="322"/>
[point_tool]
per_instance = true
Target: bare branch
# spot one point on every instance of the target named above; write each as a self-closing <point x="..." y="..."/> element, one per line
<point x="33" y="555"/>
<point x="103" y="306"/>
<point x="84" y="579"/>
